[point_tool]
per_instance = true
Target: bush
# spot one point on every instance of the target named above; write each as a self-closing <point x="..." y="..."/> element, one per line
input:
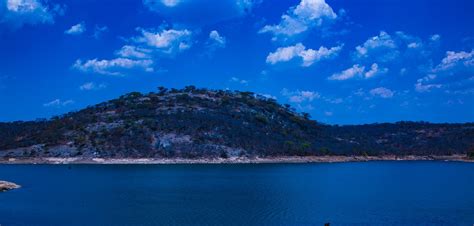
<point x="261" y="118"/>
<point x="470" y="153"/>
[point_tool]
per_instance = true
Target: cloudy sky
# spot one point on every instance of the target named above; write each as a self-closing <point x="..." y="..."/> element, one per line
<point x="344" y="62"/>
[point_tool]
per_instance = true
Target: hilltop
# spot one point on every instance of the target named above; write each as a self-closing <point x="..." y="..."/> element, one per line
<point x="196" y="123"/>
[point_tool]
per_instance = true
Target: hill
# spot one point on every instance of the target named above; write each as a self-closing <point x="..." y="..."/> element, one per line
<point x="197" y="123"/>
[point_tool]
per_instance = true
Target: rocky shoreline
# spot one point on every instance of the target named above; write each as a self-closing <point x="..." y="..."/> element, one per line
<point x="6" y="186"/>
<point x="235" y="160"/>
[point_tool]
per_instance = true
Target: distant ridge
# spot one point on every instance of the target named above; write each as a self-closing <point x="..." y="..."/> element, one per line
<point x="198" y="123"/>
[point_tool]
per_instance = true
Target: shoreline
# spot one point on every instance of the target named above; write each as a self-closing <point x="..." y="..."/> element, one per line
<point x="256" y="160"/>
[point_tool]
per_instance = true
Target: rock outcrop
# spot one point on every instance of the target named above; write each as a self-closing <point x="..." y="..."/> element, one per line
<point x="193" y="123"/>
<point x="6" y="186"/>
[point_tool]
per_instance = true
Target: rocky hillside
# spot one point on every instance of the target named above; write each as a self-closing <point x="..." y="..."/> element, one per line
<point x="195" y="123"/>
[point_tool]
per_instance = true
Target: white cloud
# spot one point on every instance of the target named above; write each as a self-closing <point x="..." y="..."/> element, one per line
<point x="382" y="92"/>
<point x="114" y="66"/>
<point x="425" y="84"/>
<point x="414" y="45"/>
<point x="300" y="96"/>
<point x="375" y="70"/>
<point x="435" y="37"/>
<point x="140" y="53"/>
<point x="76" y="29"/>
<point x="355" y="70"/>
<point x="128" y="51"/>
<point x="455" y="59"/>
<point x="420" y="87"/>
<point x="358" y="71"/>
<point x="399" y="49"/>
<point x="382" y="45"/>
<point x="92" y="86"/>
<point x="216" y="39"/>
<point x="240" y="81"/>
<point x="306" y="15"/>
<point x="58" y="103"/>
<point x="453" y="73"/>
<point x="170" y="3"/>
<point x="20" y="12"/>
<point x="214" y="42"/>
<point x="166" y="41"/>
<point x="308" y="56"/>
<point x="284" y="54"/>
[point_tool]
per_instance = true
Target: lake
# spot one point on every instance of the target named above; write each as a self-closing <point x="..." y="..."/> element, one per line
<point x="362" y="193"/>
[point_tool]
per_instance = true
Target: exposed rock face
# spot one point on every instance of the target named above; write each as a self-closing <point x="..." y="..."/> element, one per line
<point x="5" y="186"/>
<point x="200" y="123"/>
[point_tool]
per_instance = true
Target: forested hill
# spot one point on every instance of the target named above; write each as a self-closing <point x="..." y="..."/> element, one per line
<point x="195" y="123"/>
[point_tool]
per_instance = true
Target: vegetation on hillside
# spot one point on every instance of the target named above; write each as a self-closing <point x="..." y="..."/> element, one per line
<point x="193" y="123"/>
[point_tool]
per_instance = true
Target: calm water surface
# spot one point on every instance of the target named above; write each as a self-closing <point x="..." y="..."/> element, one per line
<point x="372" y="193"/>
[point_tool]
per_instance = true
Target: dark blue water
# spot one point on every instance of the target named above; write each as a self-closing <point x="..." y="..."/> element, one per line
<point x="372" y="193"/>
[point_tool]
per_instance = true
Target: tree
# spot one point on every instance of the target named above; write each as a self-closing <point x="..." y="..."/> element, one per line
<point x="162" y="90"/>
<point x="189" y="88"/>
<point x="224" y="155"/>
<point x="470" y="153"/>
<point x="305" y="115"/>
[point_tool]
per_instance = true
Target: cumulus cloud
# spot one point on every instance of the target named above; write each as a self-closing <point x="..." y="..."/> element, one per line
<point x="216" y="39"/>
<point x="382" y="92"/>
<point x="214" y="42"/>
<point x="20" y="12"/>
<point x="454" y="72"/>
<point x="58" y="103"/>
<point x="355" y="70"/>
<point x="375" y="70"/>
<point x="422" y="85"/>
<point x="382" y="46"/>
<point x="76" y="29"/>
<point x="92" y="86"/>
<point x="113" y="66"/>
<point x="300" y="96"/>
<point x="129" y="51"/>
<point x="307" y="56"/>
<point x="306" y="15"/>
<point x="456" y="59"/>
<point x="358" y="71"/>
<point x="399" y="48"/>
<point x="140" y="52"/>
<point x="167" y="41"/>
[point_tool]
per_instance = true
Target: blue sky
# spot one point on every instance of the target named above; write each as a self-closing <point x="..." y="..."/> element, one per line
<point x="344" y="62"/>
